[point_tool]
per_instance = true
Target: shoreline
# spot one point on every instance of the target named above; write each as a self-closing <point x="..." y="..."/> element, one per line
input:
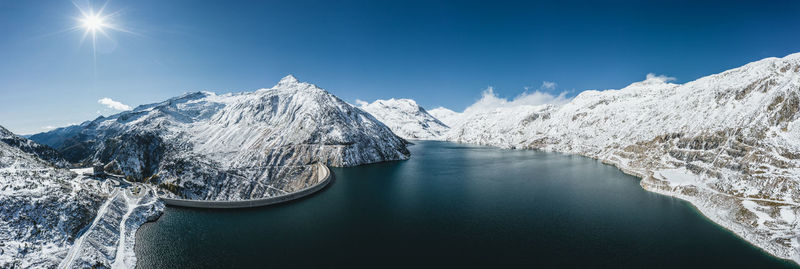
<point x="130" y="225"/>
<point x="705" y="211"/>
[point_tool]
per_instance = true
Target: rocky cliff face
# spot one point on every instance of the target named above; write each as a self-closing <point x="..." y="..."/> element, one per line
<point x="728" y="142"/>
<point x="207" y="146"/>
<point x="406" y="118"/>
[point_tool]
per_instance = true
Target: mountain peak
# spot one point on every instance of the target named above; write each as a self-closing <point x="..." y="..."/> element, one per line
<point x="290" y="79"/>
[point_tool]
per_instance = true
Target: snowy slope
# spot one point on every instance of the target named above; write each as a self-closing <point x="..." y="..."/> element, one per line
<point x="728" y="142"/>
<point x="233" y="146"/>
<point x="110" y="238"/>
<point x="56" y="217"/>
<point x="406" y="118"/>
<point x="43" y="209"/>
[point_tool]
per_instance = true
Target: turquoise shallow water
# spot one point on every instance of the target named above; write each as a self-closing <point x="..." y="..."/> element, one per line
<point x="457" y="205"/>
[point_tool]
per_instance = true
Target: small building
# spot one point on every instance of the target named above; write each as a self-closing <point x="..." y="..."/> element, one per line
<point x="98" y="170"/>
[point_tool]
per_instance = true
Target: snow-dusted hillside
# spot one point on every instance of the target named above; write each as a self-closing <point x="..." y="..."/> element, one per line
<point x="406" y="118"/>
<point x="43" y="152"/>
<point x="233" y="146"/>
<point x="42" y="208"/>
<point x="108" y="242"/>
<point x="49" y="214"/>
<point x="729" y="143"/>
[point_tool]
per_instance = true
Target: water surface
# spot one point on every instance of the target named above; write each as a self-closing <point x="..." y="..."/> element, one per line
<point x="457" y="205"/>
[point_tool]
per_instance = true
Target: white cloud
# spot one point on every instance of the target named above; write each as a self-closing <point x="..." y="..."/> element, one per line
<point x="360" y="102"/>
<point x="548" y="85"/>
<point x="489" y="100"/>
<point x="658" y="78"/>
<point x="113" y="104"/>
<point x="51" y="127"/>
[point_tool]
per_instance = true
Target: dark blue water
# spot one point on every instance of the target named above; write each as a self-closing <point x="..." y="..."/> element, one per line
<point x="457" y="205"/>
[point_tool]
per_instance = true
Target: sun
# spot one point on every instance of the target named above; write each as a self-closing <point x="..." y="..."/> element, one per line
<point x="93" y="23"/>
<point x="96" y="22"/>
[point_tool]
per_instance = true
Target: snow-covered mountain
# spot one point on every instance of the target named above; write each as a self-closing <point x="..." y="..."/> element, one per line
<point x="199" y="145"/>
<point x="406" y="118"/>
<point x="233" y="146"/>
<point x="446" y="116"/>
<point x="728" y="143"/>
<point x="43" y="152"/>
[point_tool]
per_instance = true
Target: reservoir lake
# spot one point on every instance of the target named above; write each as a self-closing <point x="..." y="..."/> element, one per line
<point x="456" y="205"/>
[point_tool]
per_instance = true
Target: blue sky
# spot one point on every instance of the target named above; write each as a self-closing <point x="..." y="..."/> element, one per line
<point x="439" y="53"/>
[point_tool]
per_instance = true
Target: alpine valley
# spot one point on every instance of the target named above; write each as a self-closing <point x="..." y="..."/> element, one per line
<point x="727" y="143"/>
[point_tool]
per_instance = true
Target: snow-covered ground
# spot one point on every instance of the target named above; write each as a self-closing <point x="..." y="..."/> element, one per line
<point x="44" y="208"/>
<point x="110" y="239"/>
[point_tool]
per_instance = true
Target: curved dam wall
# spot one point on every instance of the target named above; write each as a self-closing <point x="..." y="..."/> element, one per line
<point x="324" y="179"/>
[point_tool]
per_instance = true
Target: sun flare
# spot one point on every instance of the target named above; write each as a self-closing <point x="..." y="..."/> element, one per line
<point x="93" y="22"/>
<point x="96" y="22"/>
